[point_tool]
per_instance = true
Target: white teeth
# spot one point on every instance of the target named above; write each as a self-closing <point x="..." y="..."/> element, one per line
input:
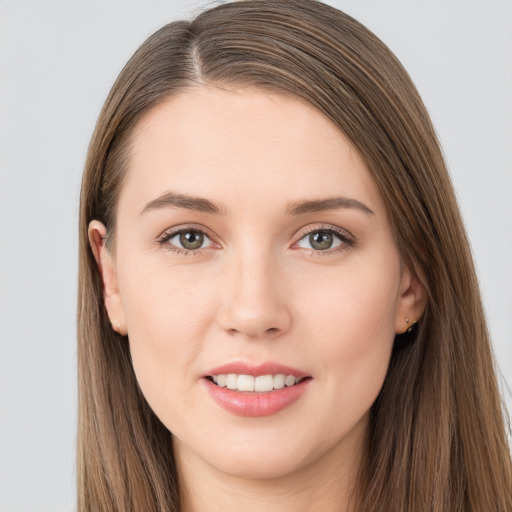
<point x="264" y="383"/>
<point x="232" y="381"/>
<point x="279" y="381"/>
<point x="246" y="383"/>
<point x="259" y="384"/>
<point x="289" y="380"/>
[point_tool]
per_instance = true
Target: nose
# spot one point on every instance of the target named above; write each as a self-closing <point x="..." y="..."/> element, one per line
<point x="254" y="304"/>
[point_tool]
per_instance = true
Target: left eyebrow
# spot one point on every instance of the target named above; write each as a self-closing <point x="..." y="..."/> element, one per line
<point x="185" y="201"/>
<point x="333" y="203"/>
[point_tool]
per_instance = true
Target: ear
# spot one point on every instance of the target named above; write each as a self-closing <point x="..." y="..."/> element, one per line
<point x="411" y="301"/>
<point x="106" y="266"/>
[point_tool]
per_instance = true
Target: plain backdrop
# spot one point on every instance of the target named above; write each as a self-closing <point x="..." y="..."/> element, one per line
<point x="58" y="60"/>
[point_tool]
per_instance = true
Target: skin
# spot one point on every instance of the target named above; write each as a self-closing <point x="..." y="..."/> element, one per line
<point x="258" y="291"/>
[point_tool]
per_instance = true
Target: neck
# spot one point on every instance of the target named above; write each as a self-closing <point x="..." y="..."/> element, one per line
<point x="327" y="484"/>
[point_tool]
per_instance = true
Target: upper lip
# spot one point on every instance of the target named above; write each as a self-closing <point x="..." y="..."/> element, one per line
<point x="266" y="368"/>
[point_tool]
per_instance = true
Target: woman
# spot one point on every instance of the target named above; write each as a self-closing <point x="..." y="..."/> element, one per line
<point x="278" y="307"/>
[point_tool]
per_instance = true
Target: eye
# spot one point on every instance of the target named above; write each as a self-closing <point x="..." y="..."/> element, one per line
<point x="325" y="239"/>
<point x="185" y="240"/>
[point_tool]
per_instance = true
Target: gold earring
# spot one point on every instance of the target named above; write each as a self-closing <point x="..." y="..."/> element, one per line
<point x="409" y="327"/>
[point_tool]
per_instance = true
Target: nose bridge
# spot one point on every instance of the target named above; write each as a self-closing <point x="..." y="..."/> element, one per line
<point x="254" y="299"/>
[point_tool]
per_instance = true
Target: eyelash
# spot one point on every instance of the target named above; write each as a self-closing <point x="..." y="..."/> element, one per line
<point x="346" y="239"/>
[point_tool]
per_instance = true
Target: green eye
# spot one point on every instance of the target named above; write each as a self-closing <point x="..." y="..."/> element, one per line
<point x="321" y="240"/>
<point x="185" y="240"/>
<point x="191" y="240"/>
<point x="324" y="239"/>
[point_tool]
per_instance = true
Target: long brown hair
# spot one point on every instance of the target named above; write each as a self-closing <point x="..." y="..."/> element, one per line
<point x="437" y="440"/>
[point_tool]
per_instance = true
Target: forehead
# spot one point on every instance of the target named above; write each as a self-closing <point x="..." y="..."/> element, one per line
<point x="243" y="143"/>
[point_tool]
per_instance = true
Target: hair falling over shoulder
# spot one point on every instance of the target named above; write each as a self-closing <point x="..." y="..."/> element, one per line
<point x="437" y="440"/>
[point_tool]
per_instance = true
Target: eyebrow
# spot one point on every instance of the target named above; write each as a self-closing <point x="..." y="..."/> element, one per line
<point x="200" y="204"/>
<point x="318" y="205"/>
<point x="185" y="201"/>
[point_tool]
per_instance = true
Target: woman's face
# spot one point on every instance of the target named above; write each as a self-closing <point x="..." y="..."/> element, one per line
<point x="252" y="240"/>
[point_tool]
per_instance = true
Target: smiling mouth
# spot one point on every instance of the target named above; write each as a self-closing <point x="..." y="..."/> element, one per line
<point x="257" y="384"/>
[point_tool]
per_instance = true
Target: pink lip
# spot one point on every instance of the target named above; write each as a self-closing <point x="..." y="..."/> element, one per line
<point x="255" y="404"/>
<point x="267" y="368"/>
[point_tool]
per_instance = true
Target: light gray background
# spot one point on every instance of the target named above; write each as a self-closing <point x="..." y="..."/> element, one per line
<point x="58" y="60"/>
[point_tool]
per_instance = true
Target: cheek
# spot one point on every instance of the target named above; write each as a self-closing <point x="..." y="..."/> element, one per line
<point x="352" y="324"/>
<point x="162" y="303"/>
<point x="167" y="317"/>
<point x="358" y="302"/>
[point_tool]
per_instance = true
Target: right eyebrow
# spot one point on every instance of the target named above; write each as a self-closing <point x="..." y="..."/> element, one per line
<point x="330" y="203"/>
<point x="186" y="201"/>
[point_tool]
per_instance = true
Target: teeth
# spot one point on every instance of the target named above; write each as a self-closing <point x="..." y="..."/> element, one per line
<point x="260" y="384"/>
<point x="279" y="381"/>
<point x="246" y="383"/>
<point x="232" y="381"/>
<point x="289" y="380"/>
<point x="264" y="383"/>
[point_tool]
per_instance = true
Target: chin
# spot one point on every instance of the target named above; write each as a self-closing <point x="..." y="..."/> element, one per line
<point x="265" y="454"/>
<point x="260" y="464"/>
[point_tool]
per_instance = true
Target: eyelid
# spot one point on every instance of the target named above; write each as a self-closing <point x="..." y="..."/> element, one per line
<point x="323" y="227"/>
<point x="343" y="233"/>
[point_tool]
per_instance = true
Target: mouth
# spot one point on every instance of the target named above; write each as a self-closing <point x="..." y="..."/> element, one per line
<point x="255" y="383"/>
<point x="261" y="390"/>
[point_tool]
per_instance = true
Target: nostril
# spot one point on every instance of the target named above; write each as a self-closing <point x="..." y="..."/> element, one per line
<point x="254" y="319"/>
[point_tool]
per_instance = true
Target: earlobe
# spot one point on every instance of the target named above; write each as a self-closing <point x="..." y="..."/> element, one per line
<point x="106" y="267"/>
<point x="411" y="301"/>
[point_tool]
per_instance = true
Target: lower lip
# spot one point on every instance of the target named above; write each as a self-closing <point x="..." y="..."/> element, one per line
<point x="256" y="404"/>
